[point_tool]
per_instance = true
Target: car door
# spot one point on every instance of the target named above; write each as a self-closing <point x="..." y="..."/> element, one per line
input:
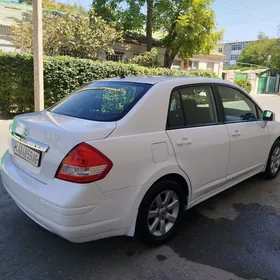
<point x="248" y="133"/>
<point x="199" y="138"/>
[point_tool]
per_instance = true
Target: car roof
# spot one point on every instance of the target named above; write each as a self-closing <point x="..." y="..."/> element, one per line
<point x="159" y="79"/>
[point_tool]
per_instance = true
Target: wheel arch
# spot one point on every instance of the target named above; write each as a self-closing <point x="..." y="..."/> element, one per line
<point x="174" y="177"/>
<point x="270" y="148"/>
<point x="183" y="180"/>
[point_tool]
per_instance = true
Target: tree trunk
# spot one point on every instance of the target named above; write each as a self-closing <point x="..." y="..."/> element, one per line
<point x="149" y="24"/>
<point x="168" y="59"/>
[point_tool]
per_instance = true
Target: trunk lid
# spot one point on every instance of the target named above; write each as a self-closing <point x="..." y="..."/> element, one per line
<point x="59" y="133"/>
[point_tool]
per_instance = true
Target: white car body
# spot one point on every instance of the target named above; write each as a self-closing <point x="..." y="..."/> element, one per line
<point x="209" y="159"/>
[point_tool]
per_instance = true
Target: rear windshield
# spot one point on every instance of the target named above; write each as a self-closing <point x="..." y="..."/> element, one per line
<point x="102" y="101"/>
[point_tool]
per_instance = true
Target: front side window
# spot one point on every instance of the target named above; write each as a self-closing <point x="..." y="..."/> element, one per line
<point x="191" y="106"/>
<point x="237" y="106"/>
<point x="102" y="101"/>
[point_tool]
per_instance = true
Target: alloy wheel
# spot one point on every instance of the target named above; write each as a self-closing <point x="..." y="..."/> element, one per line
<point x="275" y="160"/>
<point x="163" y="213"/>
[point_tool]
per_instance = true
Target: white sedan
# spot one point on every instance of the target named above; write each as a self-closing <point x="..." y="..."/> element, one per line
<point x="127" y="156"/>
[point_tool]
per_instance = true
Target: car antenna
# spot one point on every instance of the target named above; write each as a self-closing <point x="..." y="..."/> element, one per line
<point x="122" y="76"/>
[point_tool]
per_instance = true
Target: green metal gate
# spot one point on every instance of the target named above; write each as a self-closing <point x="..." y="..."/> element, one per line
<point x="271" y="87"/>
<point x="262" y="85"/>
<point x="239" y="76"/>
<point x="263" y="77"/>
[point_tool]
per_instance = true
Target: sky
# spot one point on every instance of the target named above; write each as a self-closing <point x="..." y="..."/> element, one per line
<point x="244" y="19"/>
<point x="241" y="19"/>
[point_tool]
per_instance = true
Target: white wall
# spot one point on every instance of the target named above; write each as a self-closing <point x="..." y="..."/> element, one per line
<point x="217" y="68"/>
<point x="216" y="60"/>
<point x="202" y="65"/>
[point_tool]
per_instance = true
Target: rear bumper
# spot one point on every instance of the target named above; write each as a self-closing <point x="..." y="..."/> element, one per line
<point x="64" y="209"/>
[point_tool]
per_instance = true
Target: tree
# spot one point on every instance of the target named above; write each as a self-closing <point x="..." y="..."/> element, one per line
<point x="65" y="34"/>
<point x="58" y="6"/>
<point x="127" y="14"/>
<point x="263" y="52"/>
<point x="190" y="28"/>
<point x="107" y="9"/>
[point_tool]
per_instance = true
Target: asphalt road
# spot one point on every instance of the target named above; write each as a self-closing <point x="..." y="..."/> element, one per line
<point x="235" y="235"/>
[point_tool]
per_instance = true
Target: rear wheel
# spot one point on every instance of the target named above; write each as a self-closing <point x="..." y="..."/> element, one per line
<point x="161" y="212"/>
<point x="273" y="163"/>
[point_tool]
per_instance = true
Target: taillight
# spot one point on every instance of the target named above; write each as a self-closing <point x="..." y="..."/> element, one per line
<point x="84" y="164"/>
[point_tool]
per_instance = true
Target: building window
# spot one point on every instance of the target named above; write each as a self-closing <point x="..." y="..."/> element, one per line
<point x="234" y="57"/>
<point x="193" y="64"/>
<point x="220" y="50"/>
<point x="176" y="64"/>
<point x="117" y="56"/>
<point x="237" y="47"/>
<point x="210" y="65"/>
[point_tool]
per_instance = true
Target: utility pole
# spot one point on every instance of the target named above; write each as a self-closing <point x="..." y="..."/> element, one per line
<point x="38" y="56"/>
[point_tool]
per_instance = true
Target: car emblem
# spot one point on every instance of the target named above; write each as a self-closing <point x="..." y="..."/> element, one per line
<point x="26" y="131"/>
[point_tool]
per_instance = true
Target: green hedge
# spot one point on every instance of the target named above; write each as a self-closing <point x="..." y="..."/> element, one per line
<point x="246" y="85"/>
<point x="62" y="75"/>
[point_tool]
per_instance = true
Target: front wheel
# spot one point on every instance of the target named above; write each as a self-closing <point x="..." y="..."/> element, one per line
<point x="273" y="163"/>
<point x="161" y="212"/>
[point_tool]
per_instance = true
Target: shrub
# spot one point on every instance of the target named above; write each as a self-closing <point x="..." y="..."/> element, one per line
<point x="148" y="59"/>
<point x="246" y="85"/>
<point x="62" y="75"/>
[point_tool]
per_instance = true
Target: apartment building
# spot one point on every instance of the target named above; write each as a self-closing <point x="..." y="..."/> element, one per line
<point x="231" y="51"/>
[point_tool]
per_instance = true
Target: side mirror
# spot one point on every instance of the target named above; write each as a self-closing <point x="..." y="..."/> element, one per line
<point x="268" y="116"/>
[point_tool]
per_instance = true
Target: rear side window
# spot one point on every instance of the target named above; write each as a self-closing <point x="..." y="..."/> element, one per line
<point x="191" y="106"/>
<point x="102" y="101"/>
<point x="175" y="115"/>
<point x="198" y="105"/>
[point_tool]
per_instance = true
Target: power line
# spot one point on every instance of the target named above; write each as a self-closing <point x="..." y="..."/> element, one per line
<point x="248" y="16"/>
<point x="233" y="12"/>
<point x="257" y="12"/>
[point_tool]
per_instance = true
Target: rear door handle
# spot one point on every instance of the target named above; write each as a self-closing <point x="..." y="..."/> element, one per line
<point x="184" y="141"/>
<point x="236" y="133"/>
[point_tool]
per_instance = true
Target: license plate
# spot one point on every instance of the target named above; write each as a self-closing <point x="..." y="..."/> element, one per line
<point x="28" y="154"/>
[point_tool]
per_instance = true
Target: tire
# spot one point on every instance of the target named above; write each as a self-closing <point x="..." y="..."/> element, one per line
<point x="273" y="160"/>
<point x="165" y="217"/>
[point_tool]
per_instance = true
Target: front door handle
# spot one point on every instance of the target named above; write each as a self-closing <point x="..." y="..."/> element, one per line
<point x="184" y="141"/>
<point x="236" y="133"/>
